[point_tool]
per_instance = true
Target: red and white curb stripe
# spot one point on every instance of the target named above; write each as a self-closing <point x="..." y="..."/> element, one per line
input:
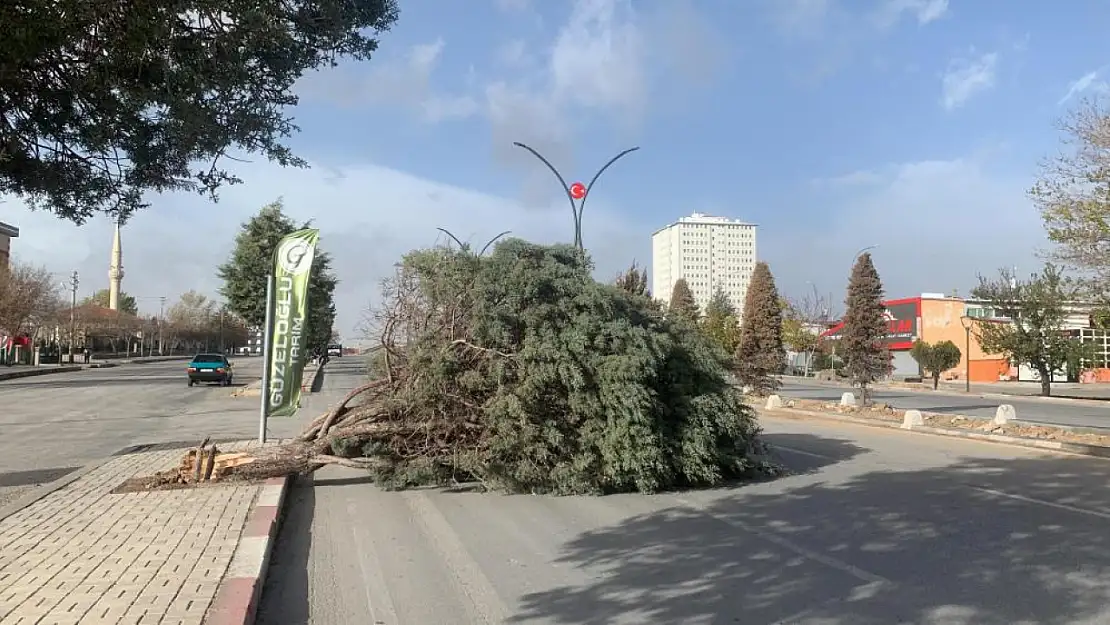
<point x="237" y="597"/>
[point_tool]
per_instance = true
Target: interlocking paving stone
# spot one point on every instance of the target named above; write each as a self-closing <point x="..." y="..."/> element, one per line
<point x="82" y="555"/>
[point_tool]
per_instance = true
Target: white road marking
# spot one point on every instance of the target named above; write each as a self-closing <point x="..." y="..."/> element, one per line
<point x="1051" y="504"/>
<point x="467" y="573"/>
<point x="802" y="452"/>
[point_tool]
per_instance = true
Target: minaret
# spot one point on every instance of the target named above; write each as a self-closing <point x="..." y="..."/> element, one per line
<point x="115" y="271"/>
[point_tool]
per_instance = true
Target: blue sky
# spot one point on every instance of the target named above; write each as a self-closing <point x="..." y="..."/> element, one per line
<point x="834" y="125"/>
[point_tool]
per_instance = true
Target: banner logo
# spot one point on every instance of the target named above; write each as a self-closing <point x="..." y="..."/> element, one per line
<point x="292" y="255"/>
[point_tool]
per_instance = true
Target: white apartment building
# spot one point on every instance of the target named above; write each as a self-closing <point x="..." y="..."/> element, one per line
<point x="709" y="252"/>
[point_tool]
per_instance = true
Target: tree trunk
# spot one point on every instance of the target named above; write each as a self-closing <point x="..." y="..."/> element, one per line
<point x="1046" y="382"/>
<point x="936" y="381"/>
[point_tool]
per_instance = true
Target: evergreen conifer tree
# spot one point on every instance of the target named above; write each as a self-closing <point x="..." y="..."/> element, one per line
<point x="760" y="357"/>
<point x="721" y="324"/>
<point x="683" y="305"/>
<point x="865" y="328"/>
<point x="244" y="275"/>
<point x="634" y="280"/>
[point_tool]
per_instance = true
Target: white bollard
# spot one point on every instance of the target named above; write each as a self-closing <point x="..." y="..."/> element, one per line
<point x="912" y="419"/>
<point x="773" y="402"/>
<point x="847" y="399"/>
<point x="1004" y="414"/>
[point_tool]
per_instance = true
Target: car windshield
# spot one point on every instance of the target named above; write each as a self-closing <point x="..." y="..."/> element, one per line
<point x="208" y="358"/>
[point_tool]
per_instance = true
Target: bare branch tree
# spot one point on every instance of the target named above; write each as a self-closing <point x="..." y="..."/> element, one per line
<point x="1072" y="193"/>
<point x="28" y="296"/>
<point x="803" y="320"/>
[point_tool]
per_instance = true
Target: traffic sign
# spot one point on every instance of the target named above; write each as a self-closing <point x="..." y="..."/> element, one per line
<point x="578" y="190"/>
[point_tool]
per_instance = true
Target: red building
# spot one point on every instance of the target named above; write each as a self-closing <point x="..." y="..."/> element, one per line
<point x="903" y="318"/>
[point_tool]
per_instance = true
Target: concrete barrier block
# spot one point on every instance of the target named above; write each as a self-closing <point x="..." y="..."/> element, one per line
<point x="1004" y="414"/>
<point x="774" y="402"/>
<point x="912" y="419"/>
<point x="847" y="399"/>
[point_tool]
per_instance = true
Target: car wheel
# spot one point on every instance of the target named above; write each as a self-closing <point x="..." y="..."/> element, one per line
<point x="190" y="383"/>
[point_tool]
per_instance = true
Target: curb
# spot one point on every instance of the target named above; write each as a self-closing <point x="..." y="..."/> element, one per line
<point x="30" y="373"/>
<point x="237" y="596"/>
<point x="1079" y="449"/>
<point x="312" y="383"/>
<point x="954" y="393"/>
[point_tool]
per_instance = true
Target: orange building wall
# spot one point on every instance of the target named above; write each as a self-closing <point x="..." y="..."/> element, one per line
<point x="940" y="321"/>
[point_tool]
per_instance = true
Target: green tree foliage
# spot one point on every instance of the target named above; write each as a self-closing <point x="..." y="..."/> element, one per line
<point x="1037" y="335"/>
<point x="634" y="280"/>
<point x="935" y="359"/>
<point x="244" y="275"/>
<point x="682" y="304"/>
<point x="101" y="298"/>
<point x="522" y="371"/>
<point x="103" y="101"/>
<point x="1072" y="193"/>
<point x="720" y="323"/>
<point x="862" y="343"/>
<point x="760" y="356"/>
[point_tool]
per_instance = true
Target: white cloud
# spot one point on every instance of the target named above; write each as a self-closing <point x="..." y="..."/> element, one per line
<point x="608" y="62"/>
<point x="838" y="32"/>
<point x="368" y="215"/>
<point x="967" y="77"/>
<point x="1091" y="82"/>
<point x="938" y="224"/>
<point x="401" y="82"/>
<point x="891" y="12"/>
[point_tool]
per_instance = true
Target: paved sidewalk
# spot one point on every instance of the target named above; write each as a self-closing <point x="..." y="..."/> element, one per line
<point x="84" y="555"/>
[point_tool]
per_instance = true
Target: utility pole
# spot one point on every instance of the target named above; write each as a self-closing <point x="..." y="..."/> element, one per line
<point x="161" y="320"/>
<point x="74" y="282"/>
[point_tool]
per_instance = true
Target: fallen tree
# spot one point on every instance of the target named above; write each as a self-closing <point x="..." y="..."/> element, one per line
<point x="520" y="371"/>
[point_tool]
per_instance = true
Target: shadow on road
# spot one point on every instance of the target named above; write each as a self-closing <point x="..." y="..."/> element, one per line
<point x="39" y="476"/>
<point x="925" y="546"/>
<point x="807" y="453"/>
<point x="285" y="597"/>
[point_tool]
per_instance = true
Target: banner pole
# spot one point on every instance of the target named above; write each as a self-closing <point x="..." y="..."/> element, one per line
<point x="263" y="404"/>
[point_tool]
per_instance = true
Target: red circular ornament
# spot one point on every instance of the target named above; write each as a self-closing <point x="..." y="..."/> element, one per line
<point x="578" y="190"/>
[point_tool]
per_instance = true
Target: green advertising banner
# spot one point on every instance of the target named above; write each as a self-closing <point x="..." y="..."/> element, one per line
<point x="288" y="310"/>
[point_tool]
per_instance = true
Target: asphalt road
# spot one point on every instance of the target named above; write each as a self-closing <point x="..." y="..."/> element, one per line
<point x="53" y="424"/>
<point x="874" y="527"/>
<point x="1069" y="414"/>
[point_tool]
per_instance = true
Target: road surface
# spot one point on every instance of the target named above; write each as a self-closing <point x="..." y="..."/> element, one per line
<point x="1069" y="414"/>
<point x="875" y="527"/>
<point x="53" y="424"/>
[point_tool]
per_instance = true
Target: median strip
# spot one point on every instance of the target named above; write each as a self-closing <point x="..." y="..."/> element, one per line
<point x="1002" y="429"/>
<point x="27" y="373"/>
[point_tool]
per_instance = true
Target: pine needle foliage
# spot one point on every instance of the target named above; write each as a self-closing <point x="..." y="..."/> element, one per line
<point x="760" y="356"/>
<point x="682" y="304"/>
<point x="634" y="280"/>
<point x="519" y="370"/>
<point x="863" y="344"/>
<point x="721" y="324"/>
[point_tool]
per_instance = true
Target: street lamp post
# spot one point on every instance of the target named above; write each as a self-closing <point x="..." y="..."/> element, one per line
<point x="575" y="191"/>
<point x="74" y="282"/>
<point x="860" y="253"/>
<point x="965" y="321"/>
